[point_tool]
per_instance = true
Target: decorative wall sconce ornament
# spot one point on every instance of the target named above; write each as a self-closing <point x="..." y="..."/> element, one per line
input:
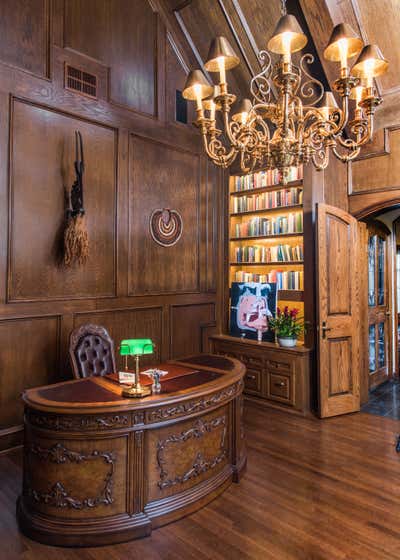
<point x="166" y="226"/>
<point x="291" y="120"/>
<point x="76" y="242"/>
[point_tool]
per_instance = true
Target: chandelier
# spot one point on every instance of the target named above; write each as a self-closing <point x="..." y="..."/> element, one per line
<point x="291" y="119"/>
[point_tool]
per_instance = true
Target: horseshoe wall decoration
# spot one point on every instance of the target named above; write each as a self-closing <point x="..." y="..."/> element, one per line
<point x="166" y="226"/>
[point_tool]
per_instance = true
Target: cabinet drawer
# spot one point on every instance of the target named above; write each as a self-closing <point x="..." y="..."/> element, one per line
<point x="252" y="381"/>
<point x="280" y="387"/>
<point x="252" y="361"/>
<point x="281" y="365"/>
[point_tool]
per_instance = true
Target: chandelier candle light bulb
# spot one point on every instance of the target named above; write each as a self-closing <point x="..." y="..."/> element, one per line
<point x="301" y="122"/>
<point x="221" y="68"/>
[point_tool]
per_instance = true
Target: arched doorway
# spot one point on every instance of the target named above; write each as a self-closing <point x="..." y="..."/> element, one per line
<point x="380" y="391"/>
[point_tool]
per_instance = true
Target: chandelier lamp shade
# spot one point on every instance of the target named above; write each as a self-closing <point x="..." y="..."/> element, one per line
<point x="290" y="119"/>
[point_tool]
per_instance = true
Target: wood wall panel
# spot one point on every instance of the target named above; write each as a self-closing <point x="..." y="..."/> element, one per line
<point x="133" y="164"/>
<point x="175" y="185"/>
<point x="123" y="35"/>
<point x="129" y="323"/>
<point x="24" y="37"/>
<point x="186" y="327"/>
<point x="29" y="357"/>
<point x="42" y="157"/>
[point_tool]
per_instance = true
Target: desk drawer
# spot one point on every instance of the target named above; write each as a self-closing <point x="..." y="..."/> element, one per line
<point x="280" y="387"/>
<point x="252" y="381"/>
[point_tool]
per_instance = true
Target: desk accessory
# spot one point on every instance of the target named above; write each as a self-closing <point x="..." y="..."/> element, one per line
<point x="156" y="375"/>
<point x="135" y="347"/>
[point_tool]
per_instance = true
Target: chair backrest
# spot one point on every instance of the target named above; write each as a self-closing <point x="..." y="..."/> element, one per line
<point x="91" y="351"/>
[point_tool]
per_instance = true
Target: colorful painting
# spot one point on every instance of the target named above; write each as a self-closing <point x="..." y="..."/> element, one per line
<point x="252" y="305"/>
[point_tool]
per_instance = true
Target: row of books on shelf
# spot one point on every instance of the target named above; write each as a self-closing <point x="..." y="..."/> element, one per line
<point x="285" y="279"/>
<point x="266" y="178"/>
<point x="292" y="223"/>
<point x="268" y="200"/>
<point x="259" y="254"/>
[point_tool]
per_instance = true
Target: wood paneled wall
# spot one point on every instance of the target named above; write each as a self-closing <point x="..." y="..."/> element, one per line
<point x="374" y="183"/>
<point x="137" y="159"/>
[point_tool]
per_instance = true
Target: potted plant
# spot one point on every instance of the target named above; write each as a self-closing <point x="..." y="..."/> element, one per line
<point x="287" y="326"/>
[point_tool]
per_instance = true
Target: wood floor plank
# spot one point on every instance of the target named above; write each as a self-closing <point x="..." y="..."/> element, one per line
<point x="314" y="490"/>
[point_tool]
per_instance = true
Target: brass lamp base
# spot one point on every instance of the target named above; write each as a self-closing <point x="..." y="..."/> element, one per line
<point x="136" y="392"/>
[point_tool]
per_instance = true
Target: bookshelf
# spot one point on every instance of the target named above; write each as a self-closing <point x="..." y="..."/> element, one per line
<point x="266" y="233"/>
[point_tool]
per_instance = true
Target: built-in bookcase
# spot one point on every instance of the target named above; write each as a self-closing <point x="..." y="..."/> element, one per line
<point x="266" y="241"/>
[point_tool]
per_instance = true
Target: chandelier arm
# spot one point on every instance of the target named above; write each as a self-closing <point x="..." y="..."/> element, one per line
<point x="243" y="165"/>
<point x="363" y="130"/>
<point x="228" y="129"/>
<point x="325" y="162"/>
<point x="223" y="159"/>
<point x="344" y="117"/>
<point x="346" y="157"/>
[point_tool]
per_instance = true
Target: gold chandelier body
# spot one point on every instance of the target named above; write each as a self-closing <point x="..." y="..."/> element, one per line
<point x="291" y="120"/>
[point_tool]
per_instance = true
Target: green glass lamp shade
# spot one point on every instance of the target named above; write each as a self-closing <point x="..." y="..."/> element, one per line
<point x="136" y="347"/>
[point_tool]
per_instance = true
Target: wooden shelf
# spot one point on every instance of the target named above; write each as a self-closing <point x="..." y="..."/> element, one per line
<point x="273" y="263"/>
<point x="259" y="190"/>
<point x="274" y="236"/>
<point x="266" y="210"/>
<point x="300" y="348"/>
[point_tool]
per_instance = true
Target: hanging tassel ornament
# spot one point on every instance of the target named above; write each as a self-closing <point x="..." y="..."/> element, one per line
<point x="76" y="240"/>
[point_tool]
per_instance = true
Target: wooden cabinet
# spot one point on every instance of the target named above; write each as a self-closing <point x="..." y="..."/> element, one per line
<point x="276" y="377"/>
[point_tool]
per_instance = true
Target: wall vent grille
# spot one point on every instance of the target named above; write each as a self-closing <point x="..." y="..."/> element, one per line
<point x="80" y="81"/>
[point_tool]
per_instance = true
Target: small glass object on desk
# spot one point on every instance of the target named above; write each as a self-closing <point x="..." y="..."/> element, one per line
<point x="156" y="375"/>
<point x="136" y="347"/>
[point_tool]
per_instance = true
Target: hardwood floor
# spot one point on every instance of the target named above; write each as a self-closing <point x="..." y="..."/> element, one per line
<point x="314" y="490"/>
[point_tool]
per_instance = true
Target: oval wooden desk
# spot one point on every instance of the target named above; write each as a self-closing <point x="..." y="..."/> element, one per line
<point x="101" y="469"/>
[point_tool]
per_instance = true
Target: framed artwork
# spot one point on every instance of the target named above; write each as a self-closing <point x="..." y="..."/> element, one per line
<point x="252" y="304"/>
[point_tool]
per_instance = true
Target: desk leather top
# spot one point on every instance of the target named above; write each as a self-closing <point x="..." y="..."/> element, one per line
<point x="185" y="378"/>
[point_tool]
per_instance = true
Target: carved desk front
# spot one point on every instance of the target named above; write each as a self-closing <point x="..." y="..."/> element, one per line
<point x="101" y="469"/>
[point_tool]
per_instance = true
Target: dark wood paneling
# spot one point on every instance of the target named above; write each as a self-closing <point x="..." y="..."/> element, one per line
<point x="186" y="327"/>
<point x="162" y="177"/>
<point x="128" y="323"/>
<point x="24" y="37"/>
<point x="129" y="283"/>
<point x="28" y="358"/>
<point x="175" y="80"/>
<point x="123" y="35"/>
<point x="41" y="166"/>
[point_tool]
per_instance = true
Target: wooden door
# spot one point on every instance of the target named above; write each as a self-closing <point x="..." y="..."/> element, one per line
<point x="338" y="311"/>
<point x="379" y="324"/>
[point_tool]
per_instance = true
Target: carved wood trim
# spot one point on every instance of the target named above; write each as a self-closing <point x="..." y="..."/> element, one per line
<point x="138" y="469"/>
<point x="58" y="496"/>
<point x="192" y="407"/>
<point x="82" y="423"/>
<point x="200" y="464"/>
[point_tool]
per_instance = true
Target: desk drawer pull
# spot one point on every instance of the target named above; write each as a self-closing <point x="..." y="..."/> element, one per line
<point x="280" y="384"/>
<point x="252" y="377"/>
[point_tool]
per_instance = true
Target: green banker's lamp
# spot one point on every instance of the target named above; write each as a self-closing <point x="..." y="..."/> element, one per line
<point x="136" y="347"/>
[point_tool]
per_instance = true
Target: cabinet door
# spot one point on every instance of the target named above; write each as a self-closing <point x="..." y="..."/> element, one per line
<point x="338" y="311"/>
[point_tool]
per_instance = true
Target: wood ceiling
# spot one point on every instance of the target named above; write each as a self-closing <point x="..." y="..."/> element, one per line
<point x="248" y="24"/>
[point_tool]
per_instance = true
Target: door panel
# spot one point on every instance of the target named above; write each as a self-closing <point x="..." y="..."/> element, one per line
<point x="379" y="322"/>
<point x="338" y="324"/>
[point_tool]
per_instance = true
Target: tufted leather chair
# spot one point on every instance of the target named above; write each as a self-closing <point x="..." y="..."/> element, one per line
<point x="91" y="351"/>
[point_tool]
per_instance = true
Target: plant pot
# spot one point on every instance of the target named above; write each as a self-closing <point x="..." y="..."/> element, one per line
<point x="287" y="341"/>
